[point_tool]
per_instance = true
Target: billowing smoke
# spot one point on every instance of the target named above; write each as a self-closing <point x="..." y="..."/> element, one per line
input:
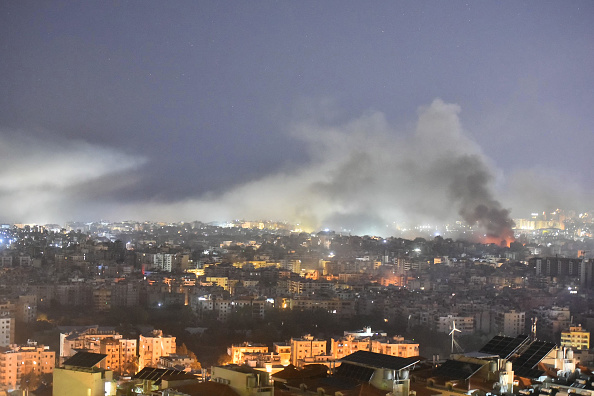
<point x="365" y="176"/>
<point x="471" y="189"/>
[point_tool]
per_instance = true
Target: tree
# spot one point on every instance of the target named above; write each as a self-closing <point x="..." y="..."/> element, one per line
<point x="130" y="366"/>
<point x="224" y="359"/>
<point x="183" y="350"/>
<point x="30" y="381"/>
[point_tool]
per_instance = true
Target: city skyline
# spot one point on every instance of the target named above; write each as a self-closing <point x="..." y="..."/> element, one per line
<point x="330" y="115"/>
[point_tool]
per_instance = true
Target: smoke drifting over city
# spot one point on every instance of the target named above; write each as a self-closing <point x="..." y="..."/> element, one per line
<point x="364" y="176"/>
<point x="47" y="179"/>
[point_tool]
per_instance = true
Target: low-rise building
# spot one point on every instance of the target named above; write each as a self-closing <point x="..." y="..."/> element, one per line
<point x="244" y="380"/>
<point x="152" y="347"/>
<point x="81" y="376"/>
<point x="84" y="339"/>
<point x="308" y="346"/>
<point x="237" y="351"/>
<point x="576" y="338"/>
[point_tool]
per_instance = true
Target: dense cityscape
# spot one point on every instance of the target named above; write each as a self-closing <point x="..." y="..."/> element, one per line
<point x="192" y="308"/>
<point x="296" y="198"/>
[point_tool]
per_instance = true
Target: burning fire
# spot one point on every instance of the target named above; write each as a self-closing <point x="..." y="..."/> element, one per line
<point x="502" y="240"/>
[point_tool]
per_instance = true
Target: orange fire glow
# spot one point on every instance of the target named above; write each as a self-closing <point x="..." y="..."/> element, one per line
<point x="503" y="241"/>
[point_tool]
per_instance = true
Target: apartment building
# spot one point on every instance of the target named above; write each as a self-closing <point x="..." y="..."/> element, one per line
<point x="576" y="338"/>
<point x="510" y="323"/>
<point x="341" y="308"/>
<point x="245" y="381"/>
<point x="465" y="324"/>
<point x="23" y="360"/>
<point x="121" y="355"/>
<point x="305" y="347"/>
<point x="283" y="350"/>
<point x="152" y="347"/>
<point x="394" y="346"/>
<point x="84" y="338"/>
<point x="81" y="376"/>
<point x="237" y="351"/>
<point x="6" y="331"/>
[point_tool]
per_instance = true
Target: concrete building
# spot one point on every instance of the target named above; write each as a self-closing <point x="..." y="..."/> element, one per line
<point x="81" y="376"/>
<point x="376" y="342"/>
<point x="395" y="346"/>
<point x="152" y="347"/>
<point x="178" y="362"/>
<point x="510" y="323"/>
<point x="84" y="338"/>
<point x="306" y="347"/>
<point x="18" y="361"/>
<point x="6" y="331"/>
<point x="340" y="308"/>
<point x="463" y="323"/>
<point x="237" y="351"/>
<point x="344" y="346"/>
<point x="558" y="266"/>
<point x="576" y="338"/>
<point x="26" y="309"/>
<point x="120" y="354"/>
<point x="102" y="298"/>
<point x="283" y="350"/>
<point x="244" y="380"/>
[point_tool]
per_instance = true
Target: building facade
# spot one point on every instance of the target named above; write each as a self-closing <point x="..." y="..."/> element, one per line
<point x="152" y="347"/>
<point x="576" y="338"/>
<point x="306" y="347"/>
<point x="19" y="361"/>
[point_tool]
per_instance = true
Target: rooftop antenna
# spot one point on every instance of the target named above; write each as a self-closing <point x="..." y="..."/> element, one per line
<point x="453" y="333"/>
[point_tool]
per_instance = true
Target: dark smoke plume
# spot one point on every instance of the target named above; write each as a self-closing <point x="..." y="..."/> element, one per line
<point x="471" y="188"/>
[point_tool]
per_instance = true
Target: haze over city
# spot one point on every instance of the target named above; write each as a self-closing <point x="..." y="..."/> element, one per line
<point x="328" y="115"/>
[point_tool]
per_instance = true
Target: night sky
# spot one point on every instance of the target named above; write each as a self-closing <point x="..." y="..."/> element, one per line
<point x="332" y="113"/>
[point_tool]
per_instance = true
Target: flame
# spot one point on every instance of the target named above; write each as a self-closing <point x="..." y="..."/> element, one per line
<point x="502" y="240"/>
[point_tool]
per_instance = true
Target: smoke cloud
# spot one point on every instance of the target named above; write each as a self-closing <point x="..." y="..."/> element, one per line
<point x="46" y="179"/>
<point x="365" y="176"/>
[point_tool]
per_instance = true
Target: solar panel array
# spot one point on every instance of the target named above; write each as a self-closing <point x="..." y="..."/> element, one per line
<point x="525" y="365"/>
<point x="352" y="371"/>
<point x="155" y="374"/>
<point x="504" y="346"/>
<point x="85" y="359"/>
<point x="379" y="360"/>
<point x="456" y="369"/>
